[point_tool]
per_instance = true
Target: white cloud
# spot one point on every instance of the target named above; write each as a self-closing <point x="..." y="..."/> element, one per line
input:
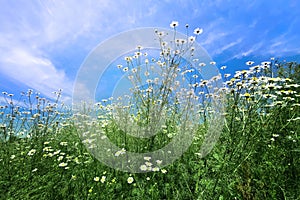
<point x="34" y="71"/>
<point x="37" y="27"/>
<point x="213" y="37"/>
<point x="228" y="46"/>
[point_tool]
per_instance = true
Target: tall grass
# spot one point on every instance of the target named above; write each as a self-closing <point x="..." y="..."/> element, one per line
<point x="44" y="154"/>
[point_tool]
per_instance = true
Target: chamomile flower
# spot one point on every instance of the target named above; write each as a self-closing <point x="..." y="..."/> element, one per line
<point x="192" y="39"/>
<point x="125" y="69"/>
<point x="130" y="180"/>
<point x="198" y="31"/>
<point x="143" y="167"/>
<point x="63" y="164"/>
<point x="31" y="152"/>
<point x="103" y="178"/>
<point x="202" y="64"/>
<point x="174" y="24"/>
<point x="147" y="158"/>
<point x="249" y="63"/>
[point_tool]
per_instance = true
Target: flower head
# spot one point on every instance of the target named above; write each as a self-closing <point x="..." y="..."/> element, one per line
<point x="202" y="64"/>
<point x="198" y="31"/>
<point x="34" y="170"/>
<point x="63" y="164"/>
<point x="103" y="178"/>
<point x="31" y="152"/>
<point x="192" y="38"/>
<point x="174" y="24"/>
<point x="125" y="69"/>
<point x="147" y="158"/>
<point x="249" y="63"/>
<point x="130" y="180"/>
<point x="143" y="167"/>
<point x="155" y="169"/>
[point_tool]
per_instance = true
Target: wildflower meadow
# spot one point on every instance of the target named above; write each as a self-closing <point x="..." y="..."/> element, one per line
<point x="237" y="135"/>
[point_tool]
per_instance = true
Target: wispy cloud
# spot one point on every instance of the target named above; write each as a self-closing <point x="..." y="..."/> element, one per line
<point x="34" y="71"/>
<point x="228" y="46"/>
<point x="40" y="28"/>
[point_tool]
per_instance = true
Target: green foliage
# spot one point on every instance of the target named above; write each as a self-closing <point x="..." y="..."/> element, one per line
<point x="257" y="156"/>
<point x="42" y="155"/>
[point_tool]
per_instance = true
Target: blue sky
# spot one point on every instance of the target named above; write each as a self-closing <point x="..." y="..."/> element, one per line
<point x="44" y="42"/>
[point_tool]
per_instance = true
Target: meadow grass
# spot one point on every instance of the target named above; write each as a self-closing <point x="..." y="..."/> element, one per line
<point x="256" y="157"/>
<point x="44" y="155"/>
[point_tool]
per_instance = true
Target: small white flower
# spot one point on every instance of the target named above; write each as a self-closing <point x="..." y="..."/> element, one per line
<point x="128" y="59"/>
<point x="146" y="73"/>
<point x="147" y="158"/>
<point x="143" y="167"/>
<point x="265" y="63"/>
<point x="177" y="52"/>
<point x="158" y="162"/>
<point x="134" y="70"/>
<point x="223" y="67"/>
<point x="96" y="179"/>
<point x="103" y="178"/>
<point x="31" y="152"/>
<point x="155" y="169"/>
<point x="198" y="31"/>
<point x="249" y="63"/>
<point x="137" y="54"/>
<point x="63" y="164"/>
<point x="161" y="34"/>
<point x="60" y="158"/>
<point x="120" y="152"/>
<point x="130" y="180"/>
<point x="192" y="38"/>
<point x="63" y="143"/>
<point x="202" y="64"/>
<point x="174" y="24"/>
<point x="57" y="152"/>
<point x="34" y="170"/>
